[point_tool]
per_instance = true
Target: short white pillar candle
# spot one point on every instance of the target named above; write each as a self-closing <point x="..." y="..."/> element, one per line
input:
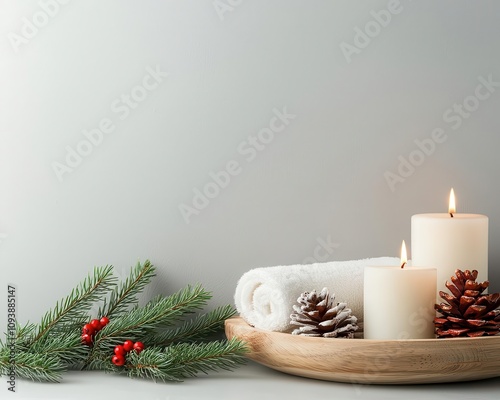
<point x="399" y="302"/>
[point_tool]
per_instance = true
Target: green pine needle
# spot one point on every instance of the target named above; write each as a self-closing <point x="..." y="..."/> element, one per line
<point x="67" y="347"/>
<point x="158" y="313"/>
<point x="190" y="359"/>
<point x="4" y="359"/>
<point x="101" y="360"/>
<point x="151" y="363"/>
<point x="38" y="367"/>
<point x="197" y="329"/>
<point x="184" y="360"/>
<point x="24" y="332"/>
<point x="74" y="308"/>
<point x="125" y="295"/>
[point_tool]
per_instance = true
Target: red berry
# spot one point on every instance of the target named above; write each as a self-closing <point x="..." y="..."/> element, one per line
<point x="119" y="350"/>
<point x="118" y="360"/>
<point x="88" y="329"/>
<point x="128" y="345"/>
<point x="87" y="339"/>
<point x="138" y="347"/>
<point x="104" y="321"/>
<point x="96" y="324"/>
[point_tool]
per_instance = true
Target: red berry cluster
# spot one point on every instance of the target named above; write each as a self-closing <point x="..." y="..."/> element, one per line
<point x="122" y="349"/>
<point x="89" y="330"/>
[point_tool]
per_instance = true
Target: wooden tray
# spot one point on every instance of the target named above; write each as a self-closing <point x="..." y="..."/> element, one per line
<point x="363" y="361"/>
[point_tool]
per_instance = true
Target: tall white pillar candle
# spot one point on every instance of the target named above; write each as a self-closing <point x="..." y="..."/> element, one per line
<point x="448" y="243"/>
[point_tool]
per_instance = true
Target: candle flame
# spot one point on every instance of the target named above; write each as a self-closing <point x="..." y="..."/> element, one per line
<point x="452" y="208"/>
<point x="404" y="257"/>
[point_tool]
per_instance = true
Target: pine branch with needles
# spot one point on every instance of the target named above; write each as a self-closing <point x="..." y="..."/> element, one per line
<point x="41" y="367"/>
<point x="176" y="348"/>
<point x="73" y="310"/>
<point x="126" y="295"/>
<point x="196" y="329"/>
<point x="184" y="360"/>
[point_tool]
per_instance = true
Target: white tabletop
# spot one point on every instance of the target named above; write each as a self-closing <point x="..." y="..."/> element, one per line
<point x="251" y="381"/>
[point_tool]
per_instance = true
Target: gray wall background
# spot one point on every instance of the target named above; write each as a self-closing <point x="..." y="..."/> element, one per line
<point x="319" y="180"/>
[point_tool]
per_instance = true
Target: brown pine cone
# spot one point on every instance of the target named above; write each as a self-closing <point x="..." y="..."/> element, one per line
<point x="467" y="312"/>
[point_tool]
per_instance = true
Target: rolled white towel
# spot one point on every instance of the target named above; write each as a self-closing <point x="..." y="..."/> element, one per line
<point x="264" y="296"/>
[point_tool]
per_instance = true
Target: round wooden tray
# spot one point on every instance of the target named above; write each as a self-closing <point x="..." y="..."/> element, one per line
<point x="363" y="361"/>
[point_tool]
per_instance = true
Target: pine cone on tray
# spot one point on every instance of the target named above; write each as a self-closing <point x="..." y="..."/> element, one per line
<point x="467" y="312"/>
<point x="318" y="315"/>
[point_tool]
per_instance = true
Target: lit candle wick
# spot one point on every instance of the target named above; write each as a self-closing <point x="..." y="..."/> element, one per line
<point x="452" y="207"/>
<point x="404" y="257"/>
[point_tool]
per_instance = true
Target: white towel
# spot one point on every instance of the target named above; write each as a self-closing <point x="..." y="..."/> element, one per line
<point x="264" y="296"/>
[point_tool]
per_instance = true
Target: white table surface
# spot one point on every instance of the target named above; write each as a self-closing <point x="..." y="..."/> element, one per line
<point x="251" y="381"/>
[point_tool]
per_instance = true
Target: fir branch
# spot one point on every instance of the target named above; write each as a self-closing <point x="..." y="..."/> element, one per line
<point x="184" y="360"/>
<point x="38" y="367"/>
<point x="4" y="359"/>
<point x="151" y="363"/>
<point x="191" y="358"/>
<point x="24" y="332"/>
<point x="44" y="351"/>
<point x="197" y="329"/>
<point x="73" y="309"/>
<point x="100" y="361"/>
<point x="125" y="295"/>
<point x="158" y="313"/>
<point x="67" y="347"/>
